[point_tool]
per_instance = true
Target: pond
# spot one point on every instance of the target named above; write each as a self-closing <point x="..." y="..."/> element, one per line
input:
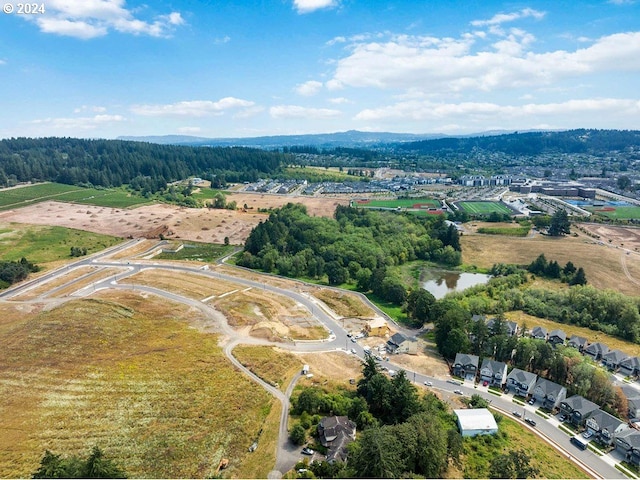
<point x="441" y="282"/>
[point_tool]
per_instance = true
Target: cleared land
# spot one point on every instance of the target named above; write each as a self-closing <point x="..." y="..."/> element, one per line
<point x="316" y="206"/>
<point x="344" y="304"/>
<point x="123" y="372"/>
<point x="42" y="244"/>
<point x="484" y="208"/>
<point x="601" y="263"/>
<point x="271" y="364"/>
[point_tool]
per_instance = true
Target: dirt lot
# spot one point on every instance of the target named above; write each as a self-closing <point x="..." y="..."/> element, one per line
<point x="205" y="225"/>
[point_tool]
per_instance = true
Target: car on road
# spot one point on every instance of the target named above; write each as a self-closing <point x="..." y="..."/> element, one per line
<point x="517" y="414"/>
<point x="378" y="357"/>
<point x="428" y="383"/>
<point x="349" y="335"/>
<point x="532" y="401"/>
<point x="587" y="434"/>
<point x="353" y="350"/>
<point x="459" y="392"/>
<point x="307" y="451"/>
<point x="353" y="339"/>
<point x="530" y="421"/>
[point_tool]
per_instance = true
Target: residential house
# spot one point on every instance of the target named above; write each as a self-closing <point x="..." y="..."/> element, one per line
<point x="577" y="342"/>
<point x="577" y="409"/>
<point x="596" y="350"/>
<point x="557" y="337"/>
<point x="399" y="343"/>
<point x="605" y="426"/>
<point x="377" y="327"/>
<point x="465" y="366"/>
<point x="493" y="372"/>
<point x="548" y="393"/>
<point x="630" y="366"/>
<point x="613" y="358"/>
<point x="521" y="382"/>
<point x="633" y="401"/>
<point x="628" y="444"/>
<point x="335" y="433"/>
<point x="512" y="327"/>
<point x="539" y="333"/>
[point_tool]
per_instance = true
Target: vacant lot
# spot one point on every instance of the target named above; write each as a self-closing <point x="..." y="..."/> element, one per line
<point x="316" y="206"/>
<point x="126" y="373"/>
<point x="271" y="364"/>
<point x="601" y="263"/>
<point x="43" y="244"/>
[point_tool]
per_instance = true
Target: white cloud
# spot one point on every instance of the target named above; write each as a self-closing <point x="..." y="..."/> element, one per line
<point x="295" y="111"/>
<point x="339" y="100"/>
<point x="90" y="108"/>
<point x="78" y="123"/>
<point x="478" y="113"/>
<point x="308" y="6"/>
<point x="222" y="40"/>
<point x="194" y="108"/>
<point x="87" y="19"/>
<point x="308" y="89"/>
<point x="189" y="129"/>
<point x="501" y="18"/>
<point x="445" y="65"/>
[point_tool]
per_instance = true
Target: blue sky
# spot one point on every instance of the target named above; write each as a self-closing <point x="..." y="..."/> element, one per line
<point x="104" y="68"/>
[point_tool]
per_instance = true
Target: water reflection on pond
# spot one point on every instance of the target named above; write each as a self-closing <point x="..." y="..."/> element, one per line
<point x="440" y="282"/>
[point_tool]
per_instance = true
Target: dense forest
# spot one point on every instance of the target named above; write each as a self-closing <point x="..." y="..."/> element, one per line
<point x="357" y="247"/>
<point x="13" y="272"/>
<point x="112" y="163"/>
<point x="594" y="142"/>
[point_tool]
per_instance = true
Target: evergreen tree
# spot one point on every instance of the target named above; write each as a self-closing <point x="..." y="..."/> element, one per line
<point x="560" y="224"/>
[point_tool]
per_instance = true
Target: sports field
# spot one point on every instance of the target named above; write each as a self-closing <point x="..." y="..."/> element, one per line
<point x="400" y="202"/>
<point x="618" y="213"/>
<point x="484" y="208"/>
<point x="23" y="196"/>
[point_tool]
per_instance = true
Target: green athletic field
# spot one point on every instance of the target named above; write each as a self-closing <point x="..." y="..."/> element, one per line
<point x="484" y="208"/>
<point x="618" y="213"/>
<point x="401" y="202"/>
<point x="23" y="196"/>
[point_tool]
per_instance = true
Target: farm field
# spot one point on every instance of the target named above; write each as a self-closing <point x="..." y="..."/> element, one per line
<point x="22" y="196"/>
<point x="484" y="208"/>
<point x="94" y="372"/>
<point x="44" y="244"/>
<point x="617" y="212"/>
<point x="400" y="202"/>
<point x="602" y="263"/>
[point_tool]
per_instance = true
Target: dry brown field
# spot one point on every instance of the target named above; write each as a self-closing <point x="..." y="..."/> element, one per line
<point x="127" y="373"/>
<point x="602" y="263"/>
<point x="316" y="206"/>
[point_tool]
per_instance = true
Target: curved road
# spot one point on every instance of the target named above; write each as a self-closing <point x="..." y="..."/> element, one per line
<point x="288" y="454"/>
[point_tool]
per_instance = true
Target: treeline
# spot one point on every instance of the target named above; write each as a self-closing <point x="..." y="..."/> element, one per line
<point x="357" y="247"/>
<point x="13" y="272"/>
<point x="601" y="310"/>
<point x="595" y="142"/>
<point x="95" y="465"/>
<point x="112" y="163"/>
<point x="551" y="269"/>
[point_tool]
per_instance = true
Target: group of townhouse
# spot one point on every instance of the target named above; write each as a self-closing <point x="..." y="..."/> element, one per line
<point x="580" y="412"/>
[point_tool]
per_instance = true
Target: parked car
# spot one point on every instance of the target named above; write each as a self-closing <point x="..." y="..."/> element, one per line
<point x="562" y="418"/>
<point x="532" y="401"/>
<point x="517" y="414"/>
<point x="307" y="451"/>
<point x="530" y="421"/>
<point x="485" y="383"/>
<point x="353" y="350"/>
<point x="428" y="384"/>
<point x="353" y="339"/>
<point x="459" y="392"/>
<point x="587" y="434"/>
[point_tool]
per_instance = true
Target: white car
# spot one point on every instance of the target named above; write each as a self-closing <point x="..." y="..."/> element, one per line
<point x="587" y="434"/>
<point x="428" y="384"/>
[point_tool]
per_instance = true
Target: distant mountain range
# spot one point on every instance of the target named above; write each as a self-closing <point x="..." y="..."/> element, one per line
<point x="351" y="138"/>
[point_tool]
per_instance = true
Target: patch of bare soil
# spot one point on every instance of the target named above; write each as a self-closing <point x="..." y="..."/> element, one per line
<point x="316" y="206"/>
<point x="333" y="366"/>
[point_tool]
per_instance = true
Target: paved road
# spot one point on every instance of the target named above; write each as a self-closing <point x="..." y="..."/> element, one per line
<point x="288" y="454"/>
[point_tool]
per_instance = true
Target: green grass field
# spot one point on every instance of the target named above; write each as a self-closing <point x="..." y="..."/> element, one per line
<point x="618" y="213"/>
<point x="21" y="197"/>
<point x="484" y="208"/>
<point x="202" y="252"/>
<point x="40" y="244"/>
<point x="508" y="231"/>
<point x="402" y="203"/>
